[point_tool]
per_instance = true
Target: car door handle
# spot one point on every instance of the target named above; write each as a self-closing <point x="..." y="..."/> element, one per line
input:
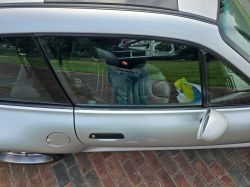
<point x="114" y="136"/>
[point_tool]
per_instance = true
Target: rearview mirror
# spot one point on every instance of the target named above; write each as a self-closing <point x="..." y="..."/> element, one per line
<point x="212" y="126"/>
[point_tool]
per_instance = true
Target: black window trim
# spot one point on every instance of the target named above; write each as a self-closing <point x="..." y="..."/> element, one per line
<point x="202" y="74"/>
<point x="218" y="13"/>
<point x="51" y="70"/>
<point x="36" y="103"/>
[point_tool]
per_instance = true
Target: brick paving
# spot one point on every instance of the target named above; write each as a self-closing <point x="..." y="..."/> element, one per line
<point x="182" y="168"/>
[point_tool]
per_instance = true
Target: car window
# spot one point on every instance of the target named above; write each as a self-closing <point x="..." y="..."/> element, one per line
<point x="235" y="25"/>
<point x="225" y="85"/>
<point x="23" y="73"/>
<point x="123" y="71"/>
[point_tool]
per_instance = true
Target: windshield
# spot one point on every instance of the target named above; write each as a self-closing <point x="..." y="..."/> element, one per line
<point x="235" y="25"/>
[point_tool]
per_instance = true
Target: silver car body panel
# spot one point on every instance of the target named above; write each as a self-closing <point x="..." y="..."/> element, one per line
<point x="168" y="4"/>
<point x="206" y="8"/>
<point x="20" y="1"/>
<point x="169" y="128"/>
<point x="63" y="20"/>
<point x="105" y="149"/>
<point x="37" y="123"/>
<point x="25" y="129"/>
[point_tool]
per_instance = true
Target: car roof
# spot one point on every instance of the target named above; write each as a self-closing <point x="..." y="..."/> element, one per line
<point x="205" y="8"/>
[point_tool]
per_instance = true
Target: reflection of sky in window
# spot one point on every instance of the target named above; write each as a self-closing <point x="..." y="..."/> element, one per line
<point x="246" y="5"/>
<point x="229" y="24"/>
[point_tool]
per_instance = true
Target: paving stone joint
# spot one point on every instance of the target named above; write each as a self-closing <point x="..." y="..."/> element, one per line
<point x="182" y="168"/>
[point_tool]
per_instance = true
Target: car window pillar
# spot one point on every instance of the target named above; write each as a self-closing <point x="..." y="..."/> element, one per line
<point x="45" y="58"/>
<point x="203" y="76"/>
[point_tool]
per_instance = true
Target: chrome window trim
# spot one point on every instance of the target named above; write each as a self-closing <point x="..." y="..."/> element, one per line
<point x="138" y="107"/>
<point x="87" y="111"/>
<point x="182" y="110"/>
<point x="155" y="107"/>
<point x="34" y="104"/>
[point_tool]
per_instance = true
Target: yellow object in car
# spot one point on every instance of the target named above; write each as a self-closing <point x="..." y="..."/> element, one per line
<point x="185" y="87"/>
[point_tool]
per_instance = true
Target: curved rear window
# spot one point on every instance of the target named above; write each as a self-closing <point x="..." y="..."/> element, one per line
<point x="235" y="25"/>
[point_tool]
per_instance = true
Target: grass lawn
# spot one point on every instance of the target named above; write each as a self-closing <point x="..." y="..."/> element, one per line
<point x="157" y="69"/>
<point x="34" y="60"/>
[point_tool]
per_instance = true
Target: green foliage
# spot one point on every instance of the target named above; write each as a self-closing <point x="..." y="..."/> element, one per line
<point x="79" y="54"/>
<point x="163" y="46"/>
<point x="34" y="60"/>
<point x="157" y="70"/>
<point x="174" y="70"/>
<point x="71" y="47"/>
<point x="7" y="51"/>
<point x="23" y="51"/>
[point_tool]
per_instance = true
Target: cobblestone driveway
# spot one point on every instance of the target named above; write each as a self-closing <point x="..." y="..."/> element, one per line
<point x="215" y="167"/>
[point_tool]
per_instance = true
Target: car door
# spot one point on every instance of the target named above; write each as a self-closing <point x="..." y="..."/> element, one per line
<point x="94" y="72"/>
<point x="35" y="115"/>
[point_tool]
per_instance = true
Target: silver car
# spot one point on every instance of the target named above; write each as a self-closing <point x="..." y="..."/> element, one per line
<point x="102" y="75"/>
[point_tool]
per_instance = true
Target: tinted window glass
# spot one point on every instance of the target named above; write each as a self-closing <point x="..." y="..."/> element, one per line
<point x="225" y="85"/>
<point x="235" y="25"/>
<point x="111" y="71"/>
<point x="24" y="75"/>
